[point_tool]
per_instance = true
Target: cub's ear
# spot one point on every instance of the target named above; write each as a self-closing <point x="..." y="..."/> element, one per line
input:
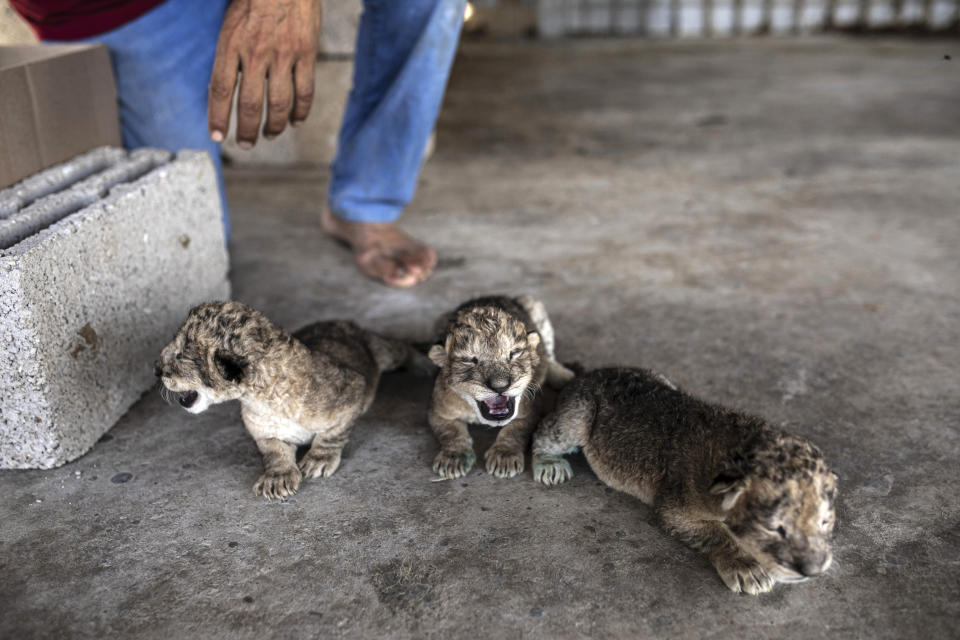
<point x="730" y="487"/>
<point x="437" y="355"/>
<point x="438" y="352"/>
<point x="231" y="367"/>
<point x="533" y="339"/>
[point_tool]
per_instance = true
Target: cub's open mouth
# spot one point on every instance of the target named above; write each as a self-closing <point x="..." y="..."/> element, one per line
<point x="187" y="398"/>
<point x="497" y="408"/>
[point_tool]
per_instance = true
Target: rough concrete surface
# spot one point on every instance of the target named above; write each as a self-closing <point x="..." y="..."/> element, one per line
<point x="340" y="21"/>
<point x="22" y="224"/>
<point x="773" y="225"/>
<point x="87" y="300"/>
<point x="56" y="178"/>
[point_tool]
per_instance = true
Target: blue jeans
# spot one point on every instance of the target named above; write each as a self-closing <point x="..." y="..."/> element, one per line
<point x="163" y="59"/>
<point x="404" y="52"/>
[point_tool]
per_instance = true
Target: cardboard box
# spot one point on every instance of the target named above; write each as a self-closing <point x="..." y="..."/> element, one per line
<point x="56" y="102"/>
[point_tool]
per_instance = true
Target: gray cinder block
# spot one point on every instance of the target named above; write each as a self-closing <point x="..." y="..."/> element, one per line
<point x="56" y="178"/>
<point x="339" y="32"/>
<point x="27" y="221"/>
<point x="94" y="279"/>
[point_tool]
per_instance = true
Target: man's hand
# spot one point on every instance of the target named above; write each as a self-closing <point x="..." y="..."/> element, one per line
<point x="274" y="44"/>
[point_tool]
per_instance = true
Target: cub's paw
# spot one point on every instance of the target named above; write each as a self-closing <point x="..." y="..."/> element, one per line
<point x="551" y="470"/>
<point x="320" y="464"/>
<point x="278" y="483"/>
<point x="742" y="574"/>
<point x="453" y="463"/>
<point x="503" y="462"/>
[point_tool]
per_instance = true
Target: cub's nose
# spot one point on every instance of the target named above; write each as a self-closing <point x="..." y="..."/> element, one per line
<point x="157" y="369"/>
<point x="499" y="383"/>
<point x="814" y="565"/>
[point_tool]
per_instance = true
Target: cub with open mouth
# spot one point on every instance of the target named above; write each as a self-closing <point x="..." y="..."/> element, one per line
<point x="302" y="389"/>
<point x="494" y="355"/>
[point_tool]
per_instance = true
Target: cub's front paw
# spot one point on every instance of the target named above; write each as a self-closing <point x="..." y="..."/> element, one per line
<point x="278" y="483"/>
<point x="742" y="574"/>
<point x="453" y="463"/>
<point x="316" y="464"/>
<point x="551" y="470"/>
<point x="502" y="462"/>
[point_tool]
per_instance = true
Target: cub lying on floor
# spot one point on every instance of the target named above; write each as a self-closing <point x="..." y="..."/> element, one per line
<point x="760" y="502"/>
<point x="494" y="354"/>
<point x="308" y="388"/>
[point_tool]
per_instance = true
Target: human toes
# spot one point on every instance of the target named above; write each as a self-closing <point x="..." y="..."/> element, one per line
<point x="420" y="260"/>
<point x="378" y="266"/>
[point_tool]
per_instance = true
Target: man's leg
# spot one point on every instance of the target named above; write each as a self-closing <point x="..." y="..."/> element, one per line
<point x="162" y="63"/>
<point x="404" y="53"/>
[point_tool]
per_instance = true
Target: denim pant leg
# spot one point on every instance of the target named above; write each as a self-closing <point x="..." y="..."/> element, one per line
<point x="404" y="54"/>
<point x="162" y="63"/>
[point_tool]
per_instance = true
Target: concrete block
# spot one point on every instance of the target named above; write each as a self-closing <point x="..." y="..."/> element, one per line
<point x="56" y="178"/>
<point x="24" y="223"/>
<point x="341" y="18"/>
<point x="107" y="270"/>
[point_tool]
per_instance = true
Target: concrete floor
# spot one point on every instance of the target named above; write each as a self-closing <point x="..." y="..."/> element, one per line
<point x="774" y="225"/>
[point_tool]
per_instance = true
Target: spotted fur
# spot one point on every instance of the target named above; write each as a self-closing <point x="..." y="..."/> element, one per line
<point x="302" y="389"/>
<point x="494" y="355"/>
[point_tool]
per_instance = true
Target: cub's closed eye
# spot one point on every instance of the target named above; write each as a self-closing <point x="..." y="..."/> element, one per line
<point x="469" y="360"/>
<point x="515" y="353"/>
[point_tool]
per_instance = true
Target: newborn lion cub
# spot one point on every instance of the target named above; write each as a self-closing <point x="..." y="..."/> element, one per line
<point x="494" y="354"/>
<point x="308" y="388"/>
<point x="757" y="500"/>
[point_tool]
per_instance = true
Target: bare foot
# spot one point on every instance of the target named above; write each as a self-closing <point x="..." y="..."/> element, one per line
<point x="383" y="251"/>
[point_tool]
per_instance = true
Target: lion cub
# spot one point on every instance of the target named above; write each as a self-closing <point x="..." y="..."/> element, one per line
<point x="300" y="389"/>
<point x="494" y="354"/>
<point x="757" y="500"/>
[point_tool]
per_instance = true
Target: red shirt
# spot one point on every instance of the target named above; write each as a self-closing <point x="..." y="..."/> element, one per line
<point x="76" y="19"/>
